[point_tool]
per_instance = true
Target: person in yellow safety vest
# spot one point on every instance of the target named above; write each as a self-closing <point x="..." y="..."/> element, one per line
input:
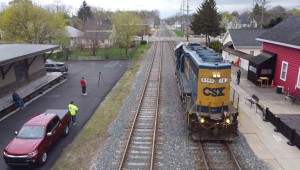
<point x="73" y="111"/>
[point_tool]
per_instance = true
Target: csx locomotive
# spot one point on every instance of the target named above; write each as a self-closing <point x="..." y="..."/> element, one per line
<point x="204" y="85"/>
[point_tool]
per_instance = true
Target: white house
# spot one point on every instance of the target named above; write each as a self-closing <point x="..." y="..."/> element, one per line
<point x="240" y="44"/>
<point x="74" y="35"/>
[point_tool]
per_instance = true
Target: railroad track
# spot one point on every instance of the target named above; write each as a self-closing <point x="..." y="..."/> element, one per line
<point x="214" y="155"/>
<point x="139" y="150"/>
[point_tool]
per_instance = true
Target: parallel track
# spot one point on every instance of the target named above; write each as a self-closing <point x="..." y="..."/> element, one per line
<point x="139" y="150"/>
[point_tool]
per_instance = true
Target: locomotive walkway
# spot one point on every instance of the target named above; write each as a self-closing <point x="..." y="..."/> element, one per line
<point x="267" y="144"/>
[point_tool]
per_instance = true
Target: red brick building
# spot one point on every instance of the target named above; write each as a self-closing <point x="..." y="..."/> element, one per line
<point x="284" y="41"/>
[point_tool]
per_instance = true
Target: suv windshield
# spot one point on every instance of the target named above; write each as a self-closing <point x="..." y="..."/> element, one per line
<point x="31" y="132"/>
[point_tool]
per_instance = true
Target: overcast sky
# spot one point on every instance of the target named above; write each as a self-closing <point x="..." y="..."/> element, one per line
<point x="166" y="7"/>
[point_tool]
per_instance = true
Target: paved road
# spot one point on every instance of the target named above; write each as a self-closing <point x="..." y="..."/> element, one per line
<point x="59" y="98"/>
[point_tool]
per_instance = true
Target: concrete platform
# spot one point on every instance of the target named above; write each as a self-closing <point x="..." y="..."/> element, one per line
<point x="267" y="144"/>
<point x="29" y="91"/>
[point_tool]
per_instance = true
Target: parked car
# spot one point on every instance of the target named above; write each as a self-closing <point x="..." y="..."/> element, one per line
<point x="52" y="66"/>
<point x="36" y="137"/>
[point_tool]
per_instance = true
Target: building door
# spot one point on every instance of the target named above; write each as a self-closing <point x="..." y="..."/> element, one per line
<point x="20" y="71"/>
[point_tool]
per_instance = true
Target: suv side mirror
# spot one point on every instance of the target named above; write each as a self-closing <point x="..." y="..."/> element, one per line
<point x="16" y="132"/>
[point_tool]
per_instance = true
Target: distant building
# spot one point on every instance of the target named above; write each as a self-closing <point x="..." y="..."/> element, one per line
<point x="239" y="23"/>
<point x="97" y="33"/>
<point x="74" y="35"/>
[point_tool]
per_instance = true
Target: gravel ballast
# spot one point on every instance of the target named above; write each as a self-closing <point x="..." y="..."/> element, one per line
<point x="176" y="144"/>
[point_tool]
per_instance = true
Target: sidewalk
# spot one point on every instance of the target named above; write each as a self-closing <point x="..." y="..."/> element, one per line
<point x="267" y="144"/>
<point x="29" y="91"/>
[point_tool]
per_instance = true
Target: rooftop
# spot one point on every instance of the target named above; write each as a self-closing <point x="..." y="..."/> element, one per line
<point x="14" y="52"/>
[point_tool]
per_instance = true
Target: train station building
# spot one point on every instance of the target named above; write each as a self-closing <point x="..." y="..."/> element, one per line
<point x="21" y="64"/>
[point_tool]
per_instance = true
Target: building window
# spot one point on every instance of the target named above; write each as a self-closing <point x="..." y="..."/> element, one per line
<point x="252" y="52"/>
<point x="253" y="69"/>
<point x="298" y="80"/>
<point x="284" y="68"/>
<point x="266" y="71"/>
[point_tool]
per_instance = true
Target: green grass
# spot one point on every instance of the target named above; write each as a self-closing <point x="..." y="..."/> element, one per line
<point x="179" y="33"/>
<point x="114" y="51"/>
<point x="142" y="49"/>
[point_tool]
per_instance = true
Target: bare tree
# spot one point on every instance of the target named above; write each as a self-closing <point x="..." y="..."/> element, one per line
<point x="263" y="4"/>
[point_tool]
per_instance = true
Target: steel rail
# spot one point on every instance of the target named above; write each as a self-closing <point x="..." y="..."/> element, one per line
<point x="156" y="112"/>
<point x="234" y="158"/>
<point x="137" y="111"/>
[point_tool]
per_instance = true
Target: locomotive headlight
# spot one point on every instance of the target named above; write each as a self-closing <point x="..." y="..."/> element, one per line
<point x="202" y="120"/>
<point x="227" y="120"/>
<point x="216" y="75"/>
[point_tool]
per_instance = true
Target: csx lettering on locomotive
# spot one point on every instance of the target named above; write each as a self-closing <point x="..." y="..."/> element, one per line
<point x="207" y="91"/>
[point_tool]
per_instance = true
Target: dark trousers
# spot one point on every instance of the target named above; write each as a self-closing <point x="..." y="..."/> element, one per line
<point x="83" y="89"/>
<point x="73" y="118"/>
<point x="20" y="103"/>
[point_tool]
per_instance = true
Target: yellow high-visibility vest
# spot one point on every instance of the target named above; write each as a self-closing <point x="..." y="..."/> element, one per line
<point x="73" y="109"/>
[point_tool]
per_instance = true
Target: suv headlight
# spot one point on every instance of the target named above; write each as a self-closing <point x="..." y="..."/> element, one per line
<point x="32" y="154"/>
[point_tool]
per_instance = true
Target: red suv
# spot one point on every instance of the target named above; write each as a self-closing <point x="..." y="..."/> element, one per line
<point x="36" y="137"/>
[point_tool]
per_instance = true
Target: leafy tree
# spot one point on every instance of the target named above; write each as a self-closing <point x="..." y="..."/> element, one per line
<point x="27" y="23"/>
<point x="216" y="46"/>
<point x="274" y="22"/>
<point x="84" y="12"/>
<point x="207" y="20"/>
<point x="295" y="11"/>
<point x="235" y="14"/>
<point x="228" y="16"/>
<point x="126" y="25"/>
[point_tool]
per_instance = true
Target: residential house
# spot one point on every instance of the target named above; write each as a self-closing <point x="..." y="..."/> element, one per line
<point x="239" y="23"/>
<point x="74" y="35"/>
<point x="284" y="41"/>
<point x="97" y="34"/>
<point x="239" y="45"/>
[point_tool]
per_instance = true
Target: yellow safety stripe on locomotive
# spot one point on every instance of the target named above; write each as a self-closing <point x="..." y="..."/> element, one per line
<point x="213" y="87"/>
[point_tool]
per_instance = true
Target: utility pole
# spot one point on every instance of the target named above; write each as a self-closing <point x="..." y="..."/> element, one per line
<point x="182" y="13"/>
<point x="187" y="18"/>
<point x="262" y="13"/>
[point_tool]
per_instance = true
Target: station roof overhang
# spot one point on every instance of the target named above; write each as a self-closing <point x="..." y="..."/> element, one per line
<point x="228" y="47"/>
<point x="262" y="57"/>
<point x="10" y="53"/>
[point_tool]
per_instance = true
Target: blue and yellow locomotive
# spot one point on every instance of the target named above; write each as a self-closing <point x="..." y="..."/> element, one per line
<point x="204" y="86"/>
